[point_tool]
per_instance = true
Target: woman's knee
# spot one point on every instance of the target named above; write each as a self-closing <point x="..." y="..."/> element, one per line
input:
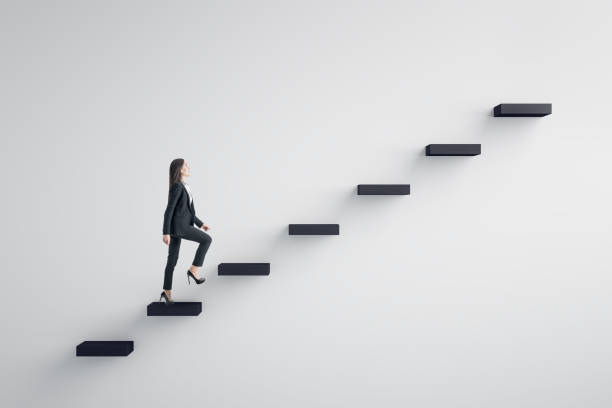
<point x="205" y="238"/>
<point x="205" y="241"/>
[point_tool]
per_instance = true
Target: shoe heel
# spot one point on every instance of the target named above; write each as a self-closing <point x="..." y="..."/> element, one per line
<point x="167" y="300"/>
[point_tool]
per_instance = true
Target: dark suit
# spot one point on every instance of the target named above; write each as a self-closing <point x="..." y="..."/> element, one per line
<point x="179" y="219"/>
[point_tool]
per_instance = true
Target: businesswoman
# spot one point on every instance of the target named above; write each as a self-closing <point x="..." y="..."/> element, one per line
<point x="179" y="219"/>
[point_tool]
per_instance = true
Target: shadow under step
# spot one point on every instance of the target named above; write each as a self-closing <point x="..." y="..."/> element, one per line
<point x="93" y="348"/>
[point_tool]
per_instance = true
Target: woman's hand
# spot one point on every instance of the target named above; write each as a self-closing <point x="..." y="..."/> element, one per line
<point x="166" y="239"/>
<point x="205" y="227"/>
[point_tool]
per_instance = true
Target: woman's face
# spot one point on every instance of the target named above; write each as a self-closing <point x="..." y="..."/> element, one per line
<point x="185" y="170"/>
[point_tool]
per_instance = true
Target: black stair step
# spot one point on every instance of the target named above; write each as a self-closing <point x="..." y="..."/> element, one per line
<point x="174" y="309"/>
<point x="314" y="229"/>
<point x="383" y="189"/>
<point x="452" y="150"/>
<point x="93" y="348"/>
<point x="522" y="109"/>
<point x="244" y="268"/>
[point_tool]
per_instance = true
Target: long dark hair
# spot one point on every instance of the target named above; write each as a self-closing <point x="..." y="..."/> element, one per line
<point x="175" y="172"/>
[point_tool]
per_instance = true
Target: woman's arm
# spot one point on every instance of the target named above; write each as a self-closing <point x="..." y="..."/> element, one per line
<point x="175" y="193"/>
<point x="198" y="221"/>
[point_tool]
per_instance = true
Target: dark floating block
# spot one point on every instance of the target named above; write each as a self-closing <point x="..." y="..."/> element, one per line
<point x="383" y="189"/>
<point x="244" y="268"/>
<point x="452" y="150"/>
<point x="522" y="109"/>
<point x="174" y="309"/>
<point x="314" y="229"/>
<point x="104" y="348"/>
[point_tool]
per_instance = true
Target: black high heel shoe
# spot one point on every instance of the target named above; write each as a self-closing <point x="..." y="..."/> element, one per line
<point x="198" y="281"/>
<point x="165" y="297"/>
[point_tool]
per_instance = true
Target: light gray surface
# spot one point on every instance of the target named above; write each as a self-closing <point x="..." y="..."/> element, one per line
<point x="489" y="286"/>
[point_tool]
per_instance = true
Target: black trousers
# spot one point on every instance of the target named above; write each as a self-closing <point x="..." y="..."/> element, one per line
<point x="191" y="234"/>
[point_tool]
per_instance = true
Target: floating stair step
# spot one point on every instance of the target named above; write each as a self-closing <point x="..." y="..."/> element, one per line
<point x="260" y="268"/>
<point x="91" y="348"/>
<point x="383" y="189"/>
<point x="174" y="309"/>
<point x="314" y="229"/>
<point x="452" y="150"/>
<point x="522" y="109"/>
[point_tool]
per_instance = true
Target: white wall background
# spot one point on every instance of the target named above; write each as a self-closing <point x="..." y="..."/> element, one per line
<point x="489" y="286"/>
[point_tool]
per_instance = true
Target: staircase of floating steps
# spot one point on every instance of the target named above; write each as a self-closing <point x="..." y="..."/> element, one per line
<point x="123" y="348"/>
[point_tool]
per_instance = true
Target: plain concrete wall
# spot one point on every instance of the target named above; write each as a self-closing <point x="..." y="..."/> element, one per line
<point x="489" y="286"/>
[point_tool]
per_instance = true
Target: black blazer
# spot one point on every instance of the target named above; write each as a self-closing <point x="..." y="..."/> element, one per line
<point x="179" y="215"/>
